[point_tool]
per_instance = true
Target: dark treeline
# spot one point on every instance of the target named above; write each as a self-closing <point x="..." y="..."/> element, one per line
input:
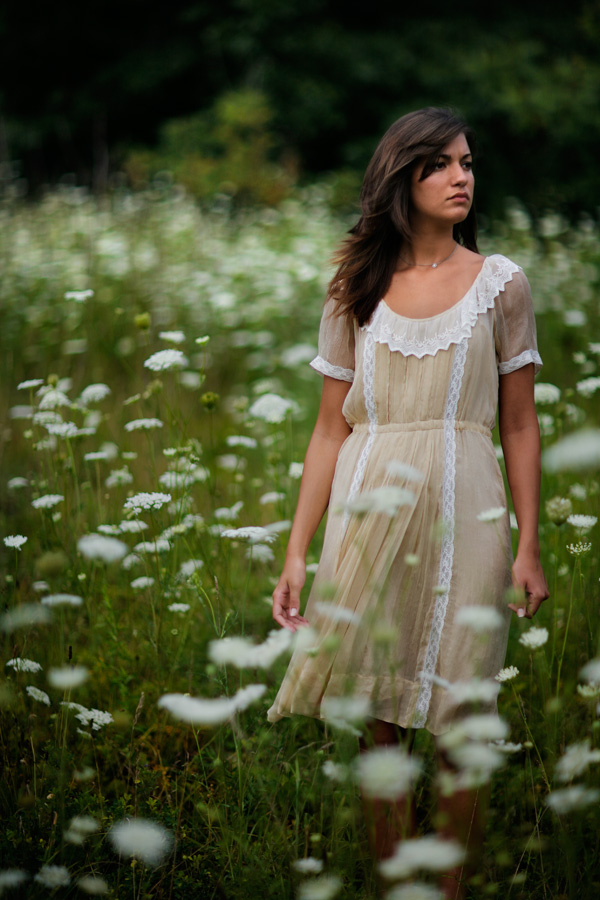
<point x="82" y="84"/>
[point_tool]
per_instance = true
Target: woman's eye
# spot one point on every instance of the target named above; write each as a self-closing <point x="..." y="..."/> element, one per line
<point x="468" y="165"/>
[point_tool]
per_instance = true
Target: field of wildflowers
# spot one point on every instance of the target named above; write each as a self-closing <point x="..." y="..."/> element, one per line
<point x="155" y="408"/>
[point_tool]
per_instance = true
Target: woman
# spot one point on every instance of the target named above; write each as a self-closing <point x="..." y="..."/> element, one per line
<point x="421" y="338"/>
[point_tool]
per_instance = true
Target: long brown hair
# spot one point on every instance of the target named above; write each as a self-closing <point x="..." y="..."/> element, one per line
<point x="367" y="259"/>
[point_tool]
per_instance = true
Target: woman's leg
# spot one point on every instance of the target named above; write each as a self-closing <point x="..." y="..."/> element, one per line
<point x="461" y="816"/>
<point x="387" y="821"/>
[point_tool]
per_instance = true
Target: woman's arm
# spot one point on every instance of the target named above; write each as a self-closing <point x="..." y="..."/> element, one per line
<point x="330" y="432"/>
<point x="520" y="437"/>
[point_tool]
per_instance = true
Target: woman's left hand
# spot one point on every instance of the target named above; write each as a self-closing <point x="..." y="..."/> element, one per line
<point x="528" y="576"/>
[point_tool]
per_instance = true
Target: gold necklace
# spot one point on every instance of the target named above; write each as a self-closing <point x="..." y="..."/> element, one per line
<point x="429" y="265"/>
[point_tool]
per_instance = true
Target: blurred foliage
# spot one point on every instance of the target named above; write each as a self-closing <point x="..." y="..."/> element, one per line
<point x="526" y="76"/>
<point x="224" y="150"/>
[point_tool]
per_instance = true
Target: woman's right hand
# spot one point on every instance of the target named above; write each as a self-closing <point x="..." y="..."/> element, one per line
<point x="286" y="596"/>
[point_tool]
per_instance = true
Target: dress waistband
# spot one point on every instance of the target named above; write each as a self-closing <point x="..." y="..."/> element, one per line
<point x="426" y="425"/>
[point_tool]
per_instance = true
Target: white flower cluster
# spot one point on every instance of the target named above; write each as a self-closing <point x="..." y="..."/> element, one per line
<point x="143" y="424"/>
<point x="47" y="501"/>
<point x="25" y="614"/>
<point x="575" y="760"/>
<point x="580" y="548"/>
<point x="37" y="694"/>
<point x="272" y="408"/>
<point x="243" y="654"/>
<point x="534" y="638"/>
<point x="15" y="541"/>
<point x="140" y="838"/>
<point x="579" y="450"/>
<point x="23" y="665"/>
<point x="479" y="619"/>
<point x="429" y="853"/>
<point x="492" y="514"/>
<point x="201" y="711"/>
<point x="94" y="393"/>
<point x="147" y="500"/>
<point x="67" y="677"/>
<point x="99" y="546"/>
<point x="96" y="717"/>
<point x="118" y="477"/>
<point x="588" y="386"/>
<point x="61" y="600"/>
<point x="507" y="674"/>
<point x="386" y="500"/>
<point x="387" y="773"/>
<point x="166" y="359"/>
<point x="323" y="887"/>
<point x="546" y="393"/>
<point x="582" y="523"/>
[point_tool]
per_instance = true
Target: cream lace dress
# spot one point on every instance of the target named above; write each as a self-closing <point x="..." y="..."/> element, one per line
<point x="388" y="588"/>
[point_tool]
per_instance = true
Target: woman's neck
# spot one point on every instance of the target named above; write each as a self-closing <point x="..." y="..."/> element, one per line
<point x="428" y="249"/>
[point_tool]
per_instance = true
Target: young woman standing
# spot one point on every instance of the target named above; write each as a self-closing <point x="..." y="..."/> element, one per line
<point x="421" y="340"/>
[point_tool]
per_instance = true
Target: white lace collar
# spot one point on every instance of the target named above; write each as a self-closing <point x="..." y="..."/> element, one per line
<point x="424" y="337"/>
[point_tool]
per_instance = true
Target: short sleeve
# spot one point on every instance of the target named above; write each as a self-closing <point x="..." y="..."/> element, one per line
<point x="514" y="326"/>
<point x="336" y="344"/>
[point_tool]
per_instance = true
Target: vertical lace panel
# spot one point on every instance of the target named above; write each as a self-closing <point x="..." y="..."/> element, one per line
<point x="369" y="395"/>
<point x="447" y="548"/>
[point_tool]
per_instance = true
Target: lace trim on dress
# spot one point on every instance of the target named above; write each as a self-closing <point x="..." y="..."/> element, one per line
<point x="326" y="368"/>
<point x="369" y="395"/>
<point x="523" y="359"/>
<point x="417" y="337"/>
<point x="447" y="549"/>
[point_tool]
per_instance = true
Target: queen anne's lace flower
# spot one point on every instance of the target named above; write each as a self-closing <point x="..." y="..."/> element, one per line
<point x="23" y="665"/>
<point x="200" y="711"/>
<point x="429" y="853"/>
<point x="166" y="359"/>
<point x="546" y="393"/>
<point x="588" y="386"/>
<point x="143" y="424"/>
<point x="142" y="839"/>
<point x="558" y="509"/>
<point x="534" y="638"/>
<point x="243" y="654"/>
<point x="507" y="674"/>
<point x="575" y="760"/>
<point x="29" y="385"/>
<point x="47" y="501"/>
<point x="53" y="877"/>
<point x="174" y="337"/>
<point x="323" y="887"/>
<point x="579" y="450"/>
<point x="15" y="541"/>
<point x="272" y="408"/>
<point x="99" y="546"/>
<point x="145" y="500"/>
<point x="582" y="523"/>
<point x="567" y="800"/>
<point x="67" y="677"/>
<point x="36" y="694"/>
<point x="308" y="866"/>
<point x="62" y="600"/>
<point x="479" y="618"/>
<point x="387" y="773"/>
<point x="93" y="885"/>
<point x="386" y="500"/>
<point x="144" y="581"/>
<point x="580" y="548"/>
<point x="492" y="514"/>
<point x="94" y="393"/>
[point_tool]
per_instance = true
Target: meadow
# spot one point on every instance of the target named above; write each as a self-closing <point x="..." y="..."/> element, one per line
<point x="155" y="408"/>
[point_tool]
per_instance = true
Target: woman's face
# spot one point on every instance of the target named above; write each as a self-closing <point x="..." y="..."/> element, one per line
<point x="446" y="194"/>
